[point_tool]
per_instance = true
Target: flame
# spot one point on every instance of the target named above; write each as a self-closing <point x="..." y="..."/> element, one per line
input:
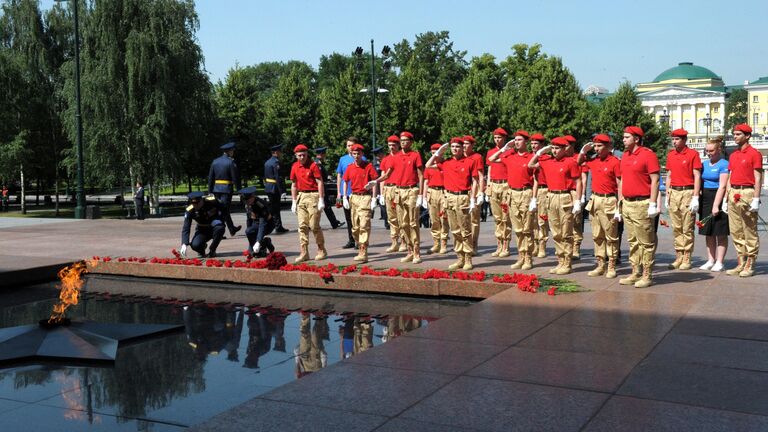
<point x="71" y="281"/>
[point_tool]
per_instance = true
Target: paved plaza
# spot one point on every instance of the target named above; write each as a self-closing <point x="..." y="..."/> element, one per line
<point x="689" y="353"/>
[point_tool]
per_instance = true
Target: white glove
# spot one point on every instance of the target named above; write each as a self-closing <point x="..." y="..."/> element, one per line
<point x="345" y="203"/>
<point x="480" y="199"/>
<point x="652" y="210"/>
<point x="576" y="207"/>
<point x="542" y="150"/>
<point x="382" y="201"/>
<point x="370" y="184"/>
<point x="583" y="199"/>
<point x="419" y="201"/>
<point x="471" y="204"/>
<point x="183" y="250"/>
<point x="374" y="204"/>
<point x="755" y="205"/>
<point x="666" y="201"/>
<point x="256" y="247"/>
<point x="507" y="145"/>
<point x="694" y="206"/>
<point x="424" y="203"/>
<point x="725" y="205"/>
<point x="617" y="216"/>
<point x="532" y="205"/>
<point x="293" y="206"/>
<point x="320" y="204"/>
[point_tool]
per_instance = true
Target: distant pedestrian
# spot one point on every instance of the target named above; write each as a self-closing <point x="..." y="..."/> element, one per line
<point x="138" y="201"/>
<point x="274" y="187"/>
<point x="5" y="198"/>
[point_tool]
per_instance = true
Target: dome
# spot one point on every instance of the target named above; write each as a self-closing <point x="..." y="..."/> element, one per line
<point x="687" y="71"/>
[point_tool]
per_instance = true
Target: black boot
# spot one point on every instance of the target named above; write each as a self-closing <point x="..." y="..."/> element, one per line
<point x="268" y="244"/>
<point x="350" y="245"/>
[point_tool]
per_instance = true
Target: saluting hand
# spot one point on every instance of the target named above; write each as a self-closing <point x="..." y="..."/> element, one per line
<point x="543" y="150"/>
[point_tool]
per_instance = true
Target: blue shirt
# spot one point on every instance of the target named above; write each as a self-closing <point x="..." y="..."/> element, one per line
<point x="344" y="162"/>
<point x="710" y="173"/>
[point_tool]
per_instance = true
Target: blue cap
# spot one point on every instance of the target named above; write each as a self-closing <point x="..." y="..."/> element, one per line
<point x="195" y="196"/>
<point x="320" y="150"/>
<point x="278" y="147"/>
<point x="228" y="146"/>
<point x="377" y="150"/>
<point x="248" y="191"/>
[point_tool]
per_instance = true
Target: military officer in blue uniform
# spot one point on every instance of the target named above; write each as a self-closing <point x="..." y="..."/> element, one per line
<point x="330" y="188"/>
<point x="259" y="223"/>
<point x="208" y="213"/>
<point x="274" y="187"/>
<point x="223" y="180"/>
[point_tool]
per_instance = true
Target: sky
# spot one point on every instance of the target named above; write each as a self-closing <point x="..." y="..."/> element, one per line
<point x="601" y="42"/>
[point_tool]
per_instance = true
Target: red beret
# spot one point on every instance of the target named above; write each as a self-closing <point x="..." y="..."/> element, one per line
<point x="358" y="147"/>
<point x="601" y="138"/>
<point x="538" y="137"/>
<point x="435" y="146"/>
<point x="406" y="134"/>
<point x="457" y="140"/>
<point x="469" y="138"/>
<point x="743" y="128"/>
<point x="570" y="139"/>
<point x="559" y="141"/>
<point x="393" y="138"/>
<point x="523" y="134"/>
<point x="634" y="130"/>
<point x="500" y="131"/>
<point x="300" y="148"/>
<point x="682" y="133"/>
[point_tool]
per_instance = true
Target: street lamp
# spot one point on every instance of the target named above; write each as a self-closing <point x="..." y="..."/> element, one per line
<point x="385" y="52"/>
<point x="80" y="207"/>
<point x="707" y="123"/>
<point x="664" y="118"/>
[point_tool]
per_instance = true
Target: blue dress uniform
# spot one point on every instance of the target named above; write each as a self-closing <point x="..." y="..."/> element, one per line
<point x="259" y="222"/>
<point x="209" y="223"/>
<point x="330" y="190"/>
<point x="274" y="187"/>
<point x="223" y="180"/>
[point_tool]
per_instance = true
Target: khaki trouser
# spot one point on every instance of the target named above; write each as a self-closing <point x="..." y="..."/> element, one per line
<point x="474" y="221"/>
<point x="408" y="216"/>
<point x="497" y="195"/>
<point x="682" y="219"/>
<point x="743" y="223"/>
<point x="311" y="348"/>
<point x="309" y="218"/>
<point x="363" y="339"/>
<point x="559" y="211"/>
<point x="437" y="215"/>
<point x="578" y="223"/>
<point x="521" y="218"/>
<point x="542" y="226"/>
<point x="457" y="207"/>
<point x="360" y="207"/>
<point x="390" y="196"/>
<point x="641" y="234"/>
<point x="605" y="229"/>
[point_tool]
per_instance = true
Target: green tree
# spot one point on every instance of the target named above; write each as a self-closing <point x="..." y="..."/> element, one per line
<point x="736" y="109"/>
<point x="342" y="111"/>
<point x="290" y="110"/>
<point x="516" y="70"/>
<point x="474" y="106"/>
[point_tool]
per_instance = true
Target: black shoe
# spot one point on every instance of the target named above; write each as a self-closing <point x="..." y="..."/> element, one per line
<point x="281" y="230"/>
<point x="268" y="244"/>
<point x="338" y="224"/>
<point x="349" y="245"/>
<point x="386" y="226"/>
<point x="212" y="254"/>
<point x="234" y="231"/>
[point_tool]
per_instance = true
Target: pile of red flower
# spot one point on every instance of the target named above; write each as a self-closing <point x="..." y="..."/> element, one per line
<point x="429" y="274"/>
<point x="525" y="282"/>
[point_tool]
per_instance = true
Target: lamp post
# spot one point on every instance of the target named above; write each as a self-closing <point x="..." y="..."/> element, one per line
<point x="80" y="192"/>
<point x="707" y="123"/>
<point x="373" y="89"/>
<point x="664" y="118"/>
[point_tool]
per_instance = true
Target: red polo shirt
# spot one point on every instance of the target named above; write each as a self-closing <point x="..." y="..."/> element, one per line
<point x="540" y="172"/>
<point x="498" y="169"/>
<point x="742" y="163"/>
<point x="386" y="163"/>
<point x="560" y="174"/>
<point x="458" y="173"/>
<point x="681" y="166"/>
<point x="479" y="161"/>
<point x="434" y="176"/>
<point x="605" y="173"/>
<point x="358" y="176"/>
<point x="409" y="164"/>
<point x="636" y="169"/>
<point x="305" y="176"/>
<point x="518" y="174"/>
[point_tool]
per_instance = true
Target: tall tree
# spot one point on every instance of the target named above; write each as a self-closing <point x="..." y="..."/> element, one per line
<point x="517" y="75"/>
<point x="289" y="111"/>
<point x="474" y="106"/>
<point x="343" y="111"/>
<point x="736" y="107"/>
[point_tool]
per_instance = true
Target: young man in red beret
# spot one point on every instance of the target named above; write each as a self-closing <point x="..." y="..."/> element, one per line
<point x="408" y="203"/>
<point x="388" y="197"/>
<point x="460" y="176"/>
<point x="744" y="183"/>
<point x="638" y="194"/>
<point x="603" y="206"/>
<point x="469" y="151"/>
<point x="358" y="198"/>
<point x="496" y="192"/>
<point x="683" y="185"/>
<point x="520" y="200"/>
<point x="578" y="223"/>
<point x="307" y="195"/>
<point x="434" y="197"/>
<point x="561" y="173"/>
<point x="541" y="224"/>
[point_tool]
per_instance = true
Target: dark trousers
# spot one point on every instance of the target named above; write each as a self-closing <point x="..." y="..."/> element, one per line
<point x="274" y="209"/>
<point x="139" y="208"/>
<point x="329" y="211"/>
<point x="258" y="230"/>
<point x="348" y="217"/>
<point x="226" y="200"/>
<point x="204" y="234"/>
<point x="384" y="216"/>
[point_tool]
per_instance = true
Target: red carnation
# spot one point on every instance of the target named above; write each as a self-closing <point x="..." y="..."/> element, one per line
<point x="275" y="260"/>
<point x="394" y="204"/>
<point x="544" y="217"/>
<point x="552" y="290"/>
<point x="505" y="208"/>
<point x="736" y="197"/>
<point x="663" y="223"/>
<point x="175" y="253"/>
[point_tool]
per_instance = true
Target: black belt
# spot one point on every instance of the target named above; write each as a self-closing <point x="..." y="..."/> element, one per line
<point x="559" y="191"/>
<point x="361" y="193"/>
<point x="604" y="195"/>
<point x="437" y="187"/>
<point x="742" y="186"/>
<point x="497" y="181"/>
<point x="542" y="186"/>
<point x="407" y="187"/>
<point x="309" y="191"/>
<point x="458" y="192"/>
<point x="681" y="188"/>
<point x="637" y="198"/>
<point x="521" y="189"/>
